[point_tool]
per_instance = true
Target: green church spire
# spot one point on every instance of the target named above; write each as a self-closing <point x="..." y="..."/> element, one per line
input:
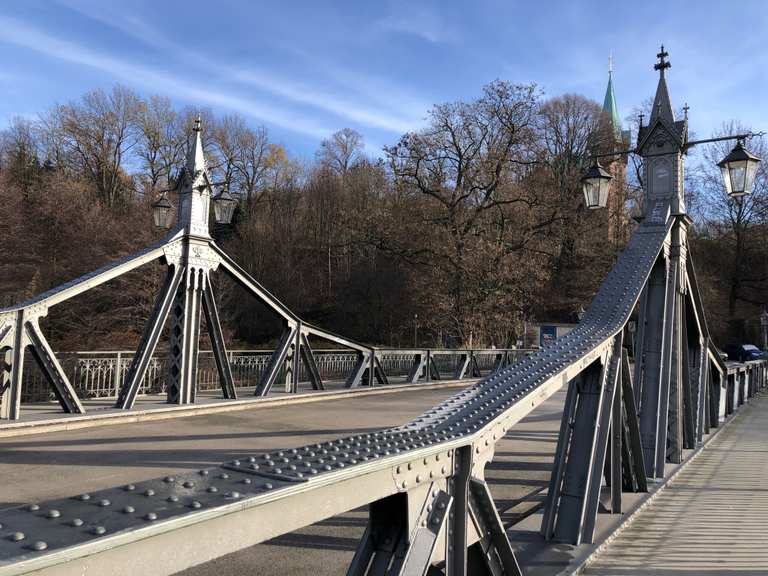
<point x="609" y="104"/>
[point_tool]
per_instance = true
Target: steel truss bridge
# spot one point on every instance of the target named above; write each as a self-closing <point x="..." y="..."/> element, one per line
<point x="430" y="509"/>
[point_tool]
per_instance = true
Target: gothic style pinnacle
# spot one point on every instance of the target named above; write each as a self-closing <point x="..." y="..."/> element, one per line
<point x="663" y="63"/>
<point x="662" y="106"/>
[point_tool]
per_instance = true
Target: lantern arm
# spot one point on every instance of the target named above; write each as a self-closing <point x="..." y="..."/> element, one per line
<point x="744" y="136"/>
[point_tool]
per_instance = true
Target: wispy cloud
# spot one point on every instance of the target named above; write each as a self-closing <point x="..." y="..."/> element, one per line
<point x="417" y="20"/>
<point x="298" y="92"/>
<point x="21" y="34"/>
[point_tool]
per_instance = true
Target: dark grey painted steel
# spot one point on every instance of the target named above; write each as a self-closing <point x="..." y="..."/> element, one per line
<point x="60" y="384"/>
<point x="600" y="440"/>
<point x="632" y="454"/>
<point x="669" y="329"/>
<point x="497" y="554"/>
<point x="184" y="340"/>
<point x="149" y="338"/>
<point x="456" y="559"/>
<point x="649" y="361"/>
<point x="561" y="455"/>
<point x="10" y="403"/>
<point x="308" y="357"/>
<point x="217" y="343"/>
<point x="276" y="361"/>
<point x="614" y="475"/>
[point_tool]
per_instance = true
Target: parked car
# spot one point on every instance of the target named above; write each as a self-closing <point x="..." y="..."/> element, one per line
<point x="744" y="352"/>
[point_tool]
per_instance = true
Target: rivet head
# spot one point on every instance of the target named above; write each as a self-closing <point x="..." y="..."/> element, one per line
<point x="254" y="466"/>
<point x="84" y="497"/>
<point x="104" y="503"/>
<point x="33" y="507"/>
<point x="129" y="510"/>
<point x="39" y="546"/>
<point x="235" y="494"/>
<point x="169" y="479"/>
<point x="212" y="489"/>
<point x="150" y="517"/>
<point x="195" y="504"/>
<point x="188" y="484"/>
<point x="418" y="478"/>
<point x="268" y="485"/>
<point x="224" y="476"/>
<point x="247" y="480"/>
<point x="98" y="530"/>
<point x="17" y="536"/>
<point x="172" y="498"/>
<point x="76" y="522"/>
<point x="53" y="514"/>
<point x="128" y="488"/>
<point x="149" y="492"/>
<point x="235" y="462"/>
<point x="203" y="472"/>
<point x="404" y="484"/>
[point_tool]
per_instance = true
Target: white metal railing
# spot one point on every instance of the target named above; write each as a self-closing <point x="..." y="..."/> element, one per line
<point x="97" y="374"/>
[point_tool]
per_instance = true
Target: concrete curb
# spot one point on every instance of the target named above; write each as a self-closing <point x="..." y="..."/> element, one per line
<point x="166" y="413"/>
<point x="583" y="561"/>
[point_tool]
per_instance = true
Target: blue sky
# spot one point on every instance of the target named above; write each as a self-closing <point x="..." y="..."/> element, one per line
<point x="306" y="69"/>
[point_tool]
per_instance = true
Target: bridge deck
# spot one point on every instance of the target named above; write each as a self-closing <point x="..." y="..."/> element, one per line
<point x="49" y="466"/>
<point x="712" y="518"/>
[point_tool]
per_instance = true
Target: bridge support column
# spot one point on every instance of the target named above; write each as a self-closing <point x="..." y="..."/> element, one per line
<point x="12" y="356"/>
<point x="220" y="356"/>
<point x="153" y="329"/>
<point x="574" y="488"/>
<point x="652" y="366"/>
<point x="185" y="339"/>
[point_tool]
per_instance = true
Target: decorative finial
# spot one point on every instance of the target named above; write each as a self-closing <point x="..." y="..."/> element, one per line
<point x="641" y="115"/>
<point x="198" y="123"/>
<point x="610" y="62"/>
<point x="685" y="110"/>
<point x="662" y="64"/>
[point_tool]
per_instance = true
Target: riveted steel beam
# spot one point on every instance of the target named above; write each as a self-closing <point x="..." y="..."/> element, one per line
<point x="184" y="341"/>
<point x="496" y="552"/>
<point x="308" y="357"/>
<point x="152" y="330"/>
<point x="49" y="365"/>
<point x="276" y="361"/>
<point x="213" y="323"/>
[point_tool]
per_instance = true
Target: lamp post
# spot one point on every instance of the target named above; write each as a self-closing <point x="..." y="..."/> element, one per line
<point x="195" y="196"/>
<point x="764" y="328"/>
<point x="415" y="330"/>
<point x="738" y="170"/>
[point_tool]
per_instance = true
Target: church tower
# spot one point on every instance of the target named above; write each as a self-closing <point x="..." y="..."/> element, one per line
<point x="618" y="140"/>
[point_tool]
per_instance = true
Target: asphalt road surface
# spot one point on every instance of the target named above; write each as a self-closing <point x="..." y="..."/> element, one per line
<point x="61" y="464"/>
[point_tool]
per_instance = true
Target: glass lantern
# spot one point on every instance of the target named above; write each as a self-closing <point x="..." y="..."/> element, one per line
<point x="595" y="183"/>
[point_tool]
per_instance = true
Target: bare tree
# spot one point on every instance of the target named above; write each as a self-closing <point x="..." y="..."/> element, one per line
<point x="101" y="130"/>
<point x="731" y="243"/>
<point x="341" y="150"/>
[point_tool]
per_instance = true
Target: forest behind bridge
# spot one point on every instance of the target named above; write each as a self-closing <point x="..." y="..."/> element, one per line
<point x="457" y="234"/>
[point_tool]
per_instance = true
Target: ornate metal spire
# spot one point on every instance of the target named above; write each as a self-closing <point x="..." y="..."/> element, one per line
<point x="196" y="157"/>
<point x="662" y="105"/>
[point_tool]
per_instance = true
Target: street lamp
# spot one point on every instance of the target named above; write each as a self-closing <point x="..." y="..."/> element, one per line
<point x="161" y="212"/>
<point x="224" y="206"/>
<point x="739" y="169"/>
<point x="595" y="184"/>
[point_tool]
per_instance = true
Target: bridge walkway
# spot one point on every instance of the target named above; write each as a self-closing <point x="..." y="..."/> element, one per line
<point x="46" y="466"/>
<point x="712" y="518"/>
